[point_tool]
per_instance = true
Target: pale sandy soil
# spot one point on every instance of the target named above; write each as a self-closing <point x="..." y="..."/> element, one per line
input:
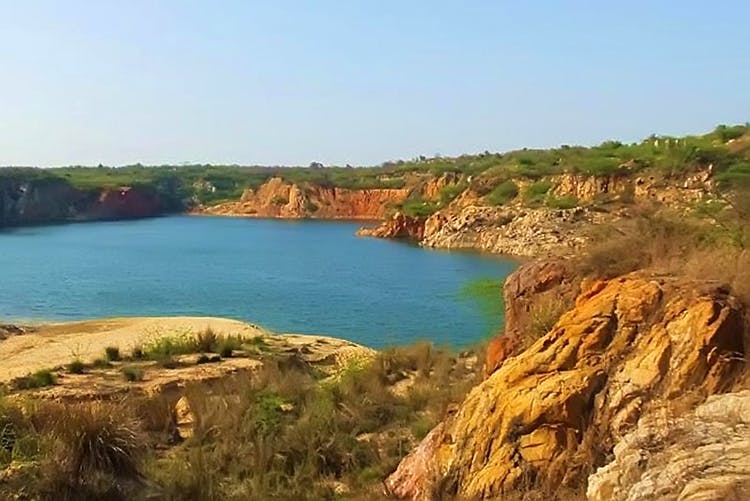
<point x="54" y="345"/>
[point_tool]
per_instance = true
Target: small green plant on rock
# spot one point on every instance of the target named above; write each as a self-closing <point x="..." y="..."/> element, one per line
<point x="503" y="193"/>
<point x="535" y="193"/>
<point x="563" y="202"/>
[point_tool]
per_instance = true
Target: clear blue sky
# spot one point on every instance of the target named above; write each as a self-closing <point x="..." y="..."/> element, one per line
<point x="360" y="82"/>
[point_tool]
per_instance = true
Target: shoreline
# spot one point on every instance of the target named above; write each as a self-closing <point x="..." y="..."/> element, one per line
<point x="56" y="344"/>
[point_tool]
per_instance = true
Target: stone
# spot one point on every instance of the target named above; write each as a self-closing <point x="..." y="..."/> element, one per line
<point x="698" y="456"/>
<point x="184" y="418"/>
<point x="625" y="343"/>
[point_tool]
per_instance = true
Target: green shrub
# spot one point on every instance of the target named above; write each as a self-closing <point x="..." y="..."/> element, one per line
<point x="229" y="344"/>
<point x="137" y="353"/>
<point x="503" y="193"/>
<point x="418" y="207"/>
<point x="536" y="192"/>
<point x="76" y="367"/>
<point x="112" y="353"/>
<point x="598" y="165"/>
<point x="165" y="347"/>
<point x="132" y="374"/>
<point x="563" y="202"/>
<point x="166" y="361"/>
<point x="206" y="341"/>
<point x="727" y="133"/>
<point x="38" y="379"/>
<point x="450" y="192"/>
<point x="101" y="363"/>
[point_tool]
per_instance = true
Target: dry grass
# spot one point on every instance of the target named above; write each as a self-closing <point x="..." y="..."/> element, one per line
<point x="285" y="435"/>
<point x="282" y="434"/>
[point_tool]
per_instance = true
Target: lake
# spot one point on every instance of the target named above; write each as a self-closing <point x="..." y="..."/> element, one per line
<point x="312" y="277"/>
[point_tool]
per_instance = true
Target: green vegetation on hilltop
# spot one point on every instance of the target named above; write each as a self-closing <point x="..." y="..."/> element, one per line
<point x="727" y="148"/>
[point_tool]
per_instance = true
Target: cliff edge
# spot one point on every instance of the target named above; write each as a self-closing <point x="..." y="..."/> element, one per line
<point x="555" y="411"/>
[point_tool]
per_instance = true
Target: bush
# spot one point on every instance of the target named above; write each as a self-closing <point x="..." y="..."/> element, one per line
<point x="132" y="374"/>
<point x="38" y="379"/>
<point x="418" y="208"/>
<point x="97" y="439"/>
<point x="166" y="347"/>
<point x="76" y="367"/>
<point x="206" y="341"/>
<point x="503" y="193"/>
<point x="101" y="363"/>
<point x="450" y="192"/>
<point x="563" y="202"/>
<point x="535" y="193"/>
<point x="727" y="133"/>
<point x="112" y="353"/>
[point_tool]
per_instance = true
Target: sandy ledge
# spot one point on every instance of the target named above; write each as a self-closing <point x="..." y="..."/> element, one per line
<point x="53" y="345"/>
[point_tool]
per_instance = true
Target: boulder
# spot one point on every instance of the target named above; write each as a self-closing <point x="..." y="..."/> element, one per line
<point x="398" y="226"/>
<point x="564" y="402"/>
<point x="698" y="456"/>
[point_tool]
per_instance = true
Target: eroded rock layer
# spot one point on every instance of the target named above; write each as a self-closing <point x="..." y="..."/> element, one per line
<point x="701" y="455"/>
<point x="581" y="387"/>
<point x="280" y="199"/>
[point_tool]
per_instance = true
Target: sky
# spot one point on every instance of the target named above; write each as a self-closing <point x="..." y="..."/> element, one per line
<point x="358" y="82"/>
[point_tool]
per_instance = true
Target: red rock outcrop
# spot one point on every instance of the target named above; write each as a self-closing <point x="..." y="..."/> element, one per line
<point x="398" y="226"/>
<point x="53" y="200"/>
<point x="627" y="342"/>
<point x="124" y="203"/>
<point x="535" y="285"/>
<point x="277" y="198"/>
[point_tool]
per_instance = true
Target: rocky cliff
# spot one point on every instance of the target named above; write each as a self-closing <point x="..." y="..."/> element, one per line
<point x="54" y="200"/>
<point x="554" y="411"/>
<point x="527" y="227"/>
<point x="278" y="198"/>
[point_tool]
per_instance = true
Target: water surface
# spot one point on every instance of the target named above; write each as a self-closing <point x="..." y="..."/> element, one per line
<point x="290" y="276"/>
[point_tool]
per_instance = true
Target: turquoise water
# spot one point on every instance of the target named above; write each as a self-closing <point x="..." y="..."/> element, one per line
<point x="300" y="276"/>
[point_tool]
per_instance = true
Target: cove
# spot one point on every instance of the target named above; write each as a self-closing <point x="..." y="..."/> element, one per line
<point x="313" y="277"/>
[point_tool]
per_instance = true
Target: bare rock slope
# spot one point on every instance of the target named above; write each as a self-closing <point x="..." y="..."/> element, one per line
<point x="563" y="403"/>
<point x="702" y="455"/>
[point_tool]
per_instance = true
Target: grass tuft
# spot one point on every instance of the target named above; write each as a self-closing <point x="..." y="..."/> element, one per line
<point x="76" y="366"/>
<point x="112" y="353"/>
<point x="132" y="374"/>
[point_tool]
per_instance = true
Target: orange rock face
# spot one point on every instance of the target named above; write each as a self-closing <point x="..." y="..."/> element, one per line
<point x="124" y="203"/>
<point x="399" y="226"/>
<point x="626" y="343"/>
<point x="277" y="198"/>
<point x="498" y="350"/>
<point x="534" y="283"/>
